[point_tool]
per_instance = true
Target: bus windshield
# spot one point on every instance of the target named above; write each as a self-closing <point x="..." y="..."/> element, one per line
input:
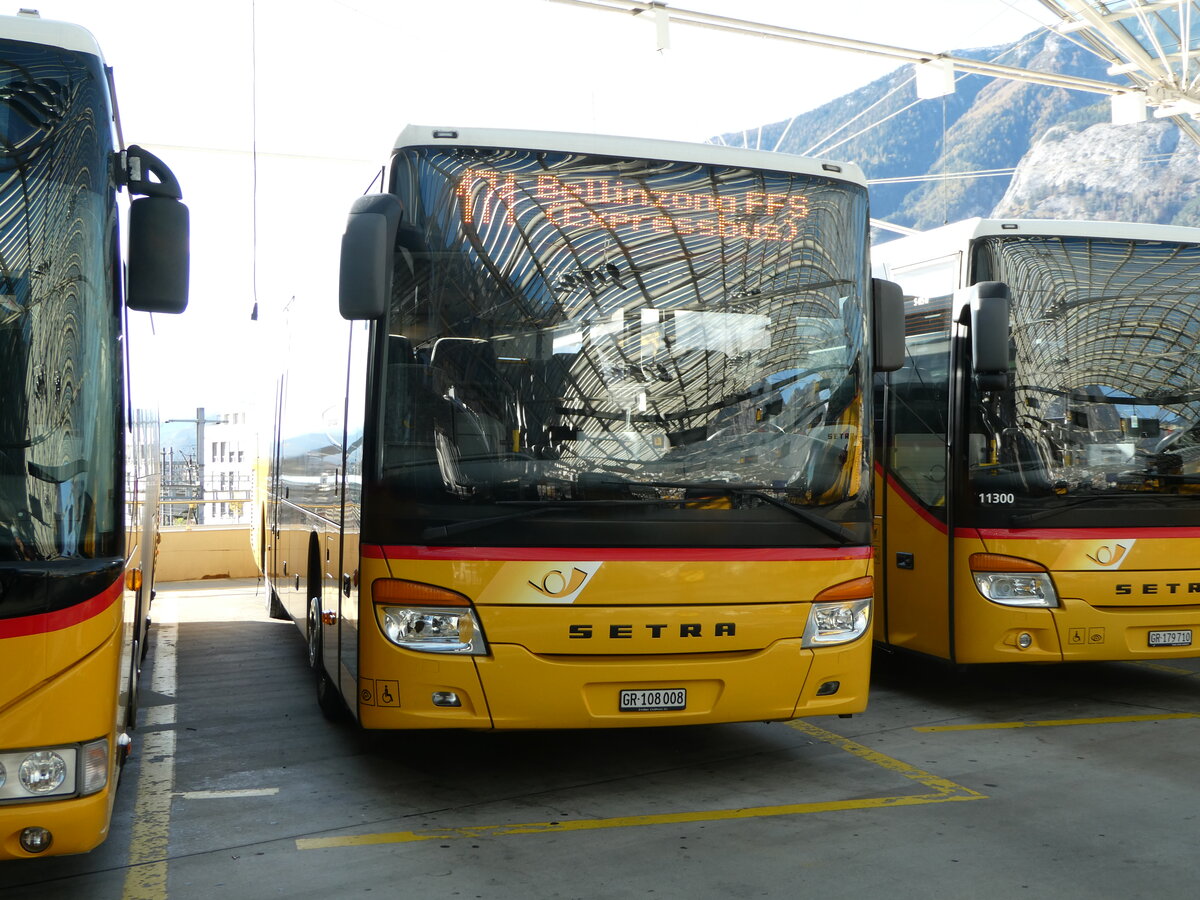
<point x="586" y="350"/>
<point x="60" y="357"/>
<point x="1100" y="419"/>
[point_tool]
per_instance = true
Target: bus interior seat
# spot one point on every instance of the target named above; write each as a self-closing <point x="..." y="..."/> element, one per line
<point x="472" y="374"/>
<point x="477" y="421"/>
<point x="400" y="350"/>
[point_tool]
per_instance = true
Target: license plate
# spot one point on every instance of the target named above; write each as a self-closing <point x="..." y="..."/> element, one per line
<point x="1182" y="638"/>
<point x="653" y="700"/>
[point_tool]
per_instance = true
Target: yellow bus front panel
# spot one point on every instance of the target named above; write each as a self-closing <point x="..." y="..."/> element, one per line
<point x="565" y="639"/>
<point x="1115" y="590"/>
<point x="989" y="632"/>
<point x="63" y="690"/>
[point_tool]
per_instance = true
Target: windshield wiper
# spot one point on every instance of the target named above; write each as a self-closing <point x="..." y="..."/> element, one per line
<point x="1051" y="511"/>
<point x="532" y="508"/>
<point x="823" y="525"/>
<point x="529" y="509"/>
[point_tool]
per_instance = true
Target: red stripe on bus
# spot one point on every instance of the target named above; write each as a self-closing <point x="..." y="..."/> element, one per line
<point x="43" y="623"/>
<point x="605" y="554"/>
<point x="914" y="505"/>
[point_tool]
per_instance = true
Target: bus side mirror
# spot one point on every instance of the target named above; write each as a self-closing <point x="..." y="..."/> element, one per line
<point x="157" y="279"/>
<point x="989" y="307"/>
<point x="888" y="310"/>
<point x="158" y="255"/>
<point x="368" y="246"/>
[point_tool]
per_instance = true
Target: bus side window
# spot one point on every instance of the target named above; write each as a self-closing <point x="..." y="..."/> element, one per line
<point x="407" y="409"/>
<point x="918" y="451"/>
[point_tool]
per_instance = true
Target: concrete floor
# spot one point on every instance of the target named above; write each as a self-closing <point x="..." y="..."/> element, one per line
<point x="1064" y="781"/>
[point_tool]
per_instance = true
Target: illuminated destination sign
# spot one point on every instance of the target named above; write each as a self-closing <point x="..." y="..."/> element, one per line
<point x="610" y="203"/>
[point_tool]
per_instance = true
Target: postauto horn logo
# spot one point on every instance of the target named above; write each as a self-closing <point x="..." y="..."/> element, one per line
<point x="564" y="583"/>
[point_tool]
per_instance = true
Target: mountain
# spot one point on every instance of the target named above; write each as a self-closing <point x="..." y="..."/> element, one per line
<point x="1128" y="173"/>
<point x="179" y="436"/>
<point x="1069" y="161"/>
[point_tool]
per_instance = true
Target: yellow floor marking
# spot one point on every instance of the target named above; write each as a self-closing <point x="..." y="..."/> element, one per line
<point x="943" y="791"/>
<point x="1054" y="723"/>
<point x="146" y="875"/>
<point x="936" y="782"/>
<point x="1163" y="667"/>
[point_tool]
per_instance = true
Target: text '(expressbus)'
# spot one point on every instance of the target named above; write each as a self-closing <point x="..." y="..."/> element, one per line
<point x="619" y="205"/>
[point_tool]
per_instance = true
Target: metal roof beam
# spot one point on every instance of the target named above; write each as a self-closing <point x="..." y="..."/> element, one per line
<point x="748" y="28"/>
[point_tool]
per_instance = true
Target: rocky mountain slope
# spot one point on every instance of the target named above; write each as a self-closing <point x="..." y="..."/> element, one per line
<point x="1052" y="152"/>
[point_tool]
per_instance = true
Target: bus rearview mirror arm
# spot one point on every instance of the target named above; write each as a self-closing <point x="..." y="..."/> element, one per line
<point x="365" y="281"/>
<point x="887" y="300"/>
<point x="989" y="311"/>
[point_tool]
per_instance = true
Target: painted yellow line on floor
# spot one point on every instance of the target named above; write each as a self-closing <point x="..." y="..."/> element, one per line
<point x="943" y="791"/>
<point x="1163" y="667"/>
<point x="1057" y="723"/>
<point x="146" y="875"/>
<point x="928" y="779"/>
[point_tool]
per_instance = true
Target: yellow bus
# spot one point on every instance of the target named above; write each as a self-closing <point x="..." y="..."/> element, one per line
<point x="590" y="451"/>
<point x="76" y="566"/>
<point x="1039" y="456"/>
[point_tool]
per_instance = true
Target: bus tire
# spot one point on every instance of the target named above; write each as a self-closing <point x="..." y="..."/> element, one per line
<point x="315" y="662"/>
<point x="328" y="698"/>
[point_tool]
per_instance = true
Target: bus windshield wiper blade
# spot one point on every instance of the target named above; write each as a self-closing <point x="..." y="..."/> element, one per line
<point x="823" y="525"/>
<point x="532" y="508"/>
<point x="1051" y="511"/>
<point x="529" y="509"/>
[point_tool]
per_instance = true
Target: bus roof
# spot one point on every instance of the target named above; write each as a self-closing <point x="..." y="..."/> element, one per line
<point x="957" y="235"/>
<point x="33" y="29"/>
<point x="640" y="148"/>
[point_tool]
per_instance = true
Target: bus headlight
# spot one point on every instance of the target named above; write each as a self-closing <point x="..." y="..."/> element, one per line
<point x="42" y="772"/>
<point x="39" y="772"/>
<point x="430" y="629"/>
<point x="427" y="618"/>
<point x="839" y="614"/>
<point x="1012" y="581"/>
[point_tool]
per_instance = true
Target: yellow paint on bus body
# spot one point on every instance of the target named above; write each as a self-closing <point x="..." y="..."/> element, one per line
<point x="1113" y="592"/>
<point x="566" y="637"/>
<point x="63" y="687"/>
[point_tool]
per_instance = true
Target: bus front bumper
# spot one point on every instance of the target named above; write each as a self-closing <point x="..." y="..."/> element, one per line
<point x="76" y="825"/>
<point x="512" y="688"/>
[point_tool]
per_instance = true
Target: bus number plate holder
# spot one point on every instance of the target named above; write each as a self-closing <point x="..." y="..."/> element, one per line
<point x="1177" y="638"/>
<point x="657" y="700"/>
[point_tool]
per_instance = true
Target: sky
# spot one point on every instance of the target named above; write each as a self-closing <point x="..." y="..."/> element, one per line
<point x="276" y="114"/>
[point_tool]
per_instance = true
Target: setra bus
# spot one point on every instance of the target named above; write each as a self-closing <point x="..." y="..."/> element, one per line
<point x="1042" y="462"/>
<point x="76" y="561"/>
<point x="590" y="452"/>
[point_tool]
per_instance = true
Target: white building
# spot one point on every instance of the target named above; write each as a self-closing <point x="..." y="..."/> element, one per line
<point x="228" y="468"/>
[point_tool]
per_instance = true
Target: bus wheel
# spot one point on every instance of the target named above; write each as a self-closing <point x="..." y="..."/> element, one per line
<point x="314" y="634"/>
<point x="328" y="698"/>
